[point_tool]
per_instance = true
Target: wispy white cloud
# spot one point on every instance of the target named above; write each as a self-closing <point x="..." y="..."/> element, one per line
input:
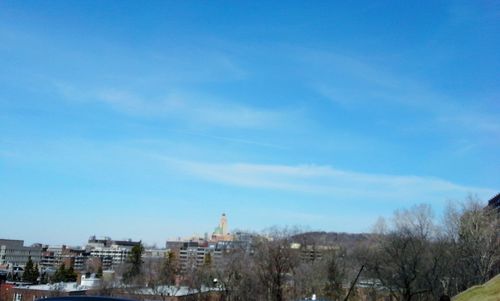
<point x="329" y="181"/>
<point x="190" y="108"/>
<point x="198" y="109"/>
<point x="353" y="82"/>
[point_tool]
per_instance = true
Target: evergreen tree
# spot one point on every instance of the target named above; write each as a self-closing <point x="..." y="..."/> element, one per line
<point x="30" y="273"/>
<point x="60" y="274"/>
<point x="134" y="263"/>
<point x="43" y="278"/>
<point x="36" y="273"/>
<point x="70" y="275"/>
<point x="170" y="269"/>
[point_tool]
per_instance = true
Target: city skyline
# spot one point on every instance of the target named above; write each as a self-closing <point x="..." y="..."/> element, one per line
<point x="148" y="120"/>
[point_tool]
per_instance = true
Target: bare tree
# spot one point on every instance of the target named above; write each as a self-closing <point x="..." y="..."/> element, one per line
<point x="309" y="278"/>
<point x="336" y="274"/>
<point x="199" y="279"/>
<point x="160" y="275"/>
<point x="93" y="265"/>
<point x="474" y="237"/>
<point x="275" y="262"/>
<point x="402" y="258"/>
<point x="236" y="277"/>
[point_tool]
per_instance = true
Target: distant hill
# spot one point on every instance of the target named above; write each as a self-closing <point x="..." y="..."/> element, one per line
<point x="490" y="291"/>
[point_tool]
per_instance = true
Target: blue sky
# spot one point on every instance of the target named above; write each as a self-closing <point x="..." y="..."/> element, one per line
<point x="149" y="119"/>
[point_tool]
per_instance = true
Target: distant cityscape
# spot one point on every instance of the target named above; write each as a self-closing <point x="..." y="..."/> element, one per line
<point x="104" y="255"/>
<point x="109" y="253"/>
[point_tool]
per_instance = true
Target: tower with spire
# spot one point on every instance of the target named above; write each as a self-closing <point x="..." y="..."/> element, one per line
<point x="221" y="232"/>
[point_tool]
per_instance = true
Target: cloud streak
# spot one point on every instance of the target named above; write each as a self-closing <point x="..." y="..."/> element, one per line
<point x="328" y="181"/>
<point x="190" y="108"/>
<point x="341" y="76"/>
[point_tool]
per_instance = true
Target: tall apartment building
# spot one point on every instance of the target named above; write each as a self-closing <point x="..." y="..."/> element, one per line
<point x="14" y="253"/>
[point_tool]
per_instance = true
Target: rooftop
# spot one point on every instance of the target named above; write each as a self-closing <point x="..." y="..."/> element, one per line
<point x="62" y="287"/>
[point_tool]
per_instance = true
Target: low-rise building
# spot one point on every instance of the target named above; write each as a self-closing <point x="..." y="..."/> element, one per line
<point x="12" y="292"/>
<point x="34" y="292"/>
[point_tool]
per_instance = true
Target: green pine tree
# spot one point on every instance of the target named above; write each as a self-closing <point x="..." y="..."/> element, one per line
<point x="29" y="274"/>
<point x="60" y="274"/>
<point x="43" y="278"/>
<point x="170" y="269"/>
<point x="36" y="273"/>
<point x="71" y="275"/>
<point x="134" y="263"/>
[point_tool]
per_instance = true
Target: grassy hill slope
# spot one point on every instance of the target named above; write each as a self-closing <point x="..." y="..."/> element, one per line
<point x="490" y="291"/>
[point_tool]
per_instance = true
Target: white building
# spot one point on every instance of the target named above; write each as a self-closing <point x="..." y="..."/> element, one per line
<point x="113" y="255"/>
<point x="111" y="252"/>
<point x="91" y="281"/>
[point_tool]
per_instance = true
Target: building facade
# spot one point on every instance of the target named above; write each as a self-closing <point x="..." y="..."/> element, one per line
<point x="111" y="252"/>
<point x="14" y="253"/>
